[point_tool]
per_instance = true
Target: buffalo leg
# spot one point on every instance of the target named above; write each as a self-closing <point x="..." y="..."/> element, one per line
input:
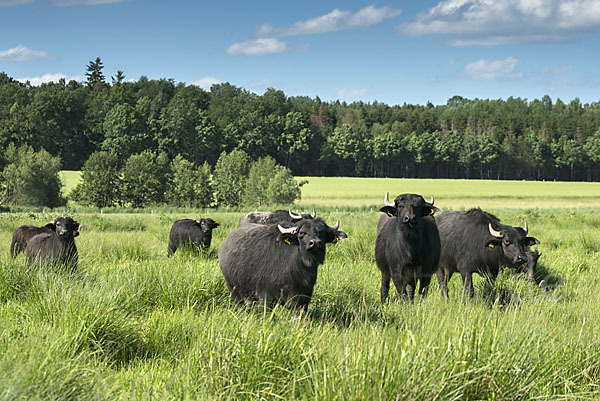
<point x="468" y="284"/>
<point x="424" y="287"/>
<point x="444" y="277"/>
<point x="385" y="285"/>
<point x="399" y="283"/>
<point x="410" y="287"/>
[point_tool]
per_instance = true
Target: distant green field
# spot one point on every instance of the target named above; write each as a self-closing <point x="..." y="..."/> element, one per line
<point x="457" y="194"/>
<point x="346" y="191"/>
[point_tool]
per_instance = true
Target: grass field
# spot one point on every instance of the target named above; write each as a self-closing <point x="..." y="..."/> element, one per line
<point x="133" y="324"/>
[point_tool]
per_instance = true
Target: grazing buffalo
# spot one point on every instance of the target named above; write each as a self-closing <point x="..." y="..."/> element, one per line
<point x="22" y="234"/>
<point x="56" y="247"/>
<point x="276" y="217"/>
<point x="474" y="241"/>
<point x="407" y="246"/>
<point x="197" y="233"/>
<point x="272" y="263"/>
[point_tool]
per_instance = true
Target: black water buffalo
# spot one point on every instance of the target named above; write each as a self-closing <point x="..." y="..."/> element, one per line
<point x="56" y="247"/>
<point x="276" y="217"/>
<point x="407" y="245"/>
<point x="22" y="234"/>
<point x="196" y="233"/>
<point x="272" y="263"/>
<point x="474" y="241"/>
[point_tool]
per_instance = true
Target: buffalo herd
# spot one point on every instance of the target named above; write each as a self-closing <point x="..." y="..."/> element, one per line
<point x="273" y="257"/>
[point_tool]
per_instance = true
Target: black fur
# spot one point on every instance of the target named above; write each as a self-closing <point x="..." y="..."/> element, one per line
<point x="24" y="233"/>
<point x="259" y="263"/>
<point x="468" y="247"/>
<point x="57" y="247"/>
<point x="191" y="232"/>
<point x="407" y="246"/>
<point x="276" y="217"/>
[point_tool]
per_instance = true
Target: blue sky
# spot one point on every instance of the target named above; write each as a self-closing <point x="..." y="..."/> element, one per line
<point x="391" y="52"/>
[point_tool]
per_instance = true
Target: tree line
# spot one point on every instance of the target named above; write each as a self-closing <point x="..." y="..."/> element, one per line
<point x="465" y="138"/>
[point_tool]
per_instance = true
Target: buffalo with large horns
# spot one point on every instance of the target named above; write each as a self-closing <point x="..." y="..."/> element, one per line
<point x="407" y="245"/>
<point x="276" y="264"/>
<point x="475" y="241"/>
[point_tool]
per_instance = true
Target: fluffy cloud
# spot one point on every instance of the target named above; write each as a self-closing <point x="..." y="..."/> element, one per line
<point x="35" y="81"/>
<point x="492" y="69"/>
<point x="336" y="20"/>
<point x="22" y="53"/>
<point x="206" y="82"/>
<point x="497" y="22"/>
<point x="258" y="47"/>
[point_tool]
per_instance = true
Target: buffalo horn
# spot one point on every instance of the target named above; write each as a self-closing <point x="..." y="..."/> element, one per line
<point x="386" y="200"/>
<point x="495" y="233"/>
<point x="431" y="201"/>
<point x="314" y="213"/>
<point x="526" y="228"/>
<point x="283" y="230"/>
<point x="294" y="215"/>
<point x="337" y="225"/>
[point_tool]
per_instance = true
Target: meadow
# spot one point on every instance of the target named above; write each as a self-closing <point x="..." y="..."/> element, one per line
<point x="132" y="324"/>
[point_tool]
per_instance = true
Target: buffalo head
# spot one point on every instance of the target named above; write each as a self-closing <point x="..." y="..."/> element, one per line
<point x="207" y="225"/>
<point x="514" y="242"/>
<point x="65" y="227"/>
<point x="311" y="235"/>
<point x="408" y="208"/>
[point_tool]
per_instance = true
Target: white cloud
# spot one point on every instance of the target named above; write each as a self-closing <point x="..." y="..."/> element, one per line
<point x="352" y="93"/>
<point x="68" y="3"/>
<point x="206" y="82"/>
<point x="492" y="69"/>
<point x="336" y="20"/>
<point x="258" y="47"/>
<point x="497" y="22"/>
<point x="22" y="53"/>
<point x="36" y="81"/>
<point x="10" y="3"/>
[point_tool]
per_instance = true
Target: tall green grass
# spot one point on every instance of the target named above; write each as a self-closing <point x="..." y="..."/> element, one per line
<point x="134" y="324"/>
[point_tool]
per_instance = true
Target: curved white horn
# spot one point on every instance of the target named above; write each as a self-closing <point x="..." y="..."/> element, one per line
<point x="526" y="228"/>
<point x="386" y="200"/>
<point x="314" y="213"/>
<point x="294" y="215"/>
<point x="431" y="201"/>
<point x="337" y="225"/>
<point x="494" y="233"/>
<point x="283" y="230"/>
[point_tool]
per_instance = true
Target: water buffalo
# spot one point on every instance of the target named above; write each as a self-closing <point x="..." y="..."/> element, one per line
<point x="22" y="234"/>
<point x="273" y="263"/>
<point x="196" y="233"/>
<point x="56" y="247"/>
<point x="407" y="245"/>
<point x="276" y="217"/>
<point x="474" y="241"/>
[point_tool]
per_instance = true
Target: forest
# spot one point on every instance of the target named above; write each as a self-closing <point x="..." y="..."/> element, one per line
<point x="515" y="138"/>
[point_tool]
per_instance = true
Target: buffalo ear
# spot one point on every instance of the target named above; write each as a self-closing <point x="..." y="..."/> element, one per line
<point x="389" y="210"/>
<point x="51" y="226"/>
<point x="290" y="239"/>
<point x="429" y="210"/>
<point x="215" y="224"/>
<point x="338" y="235"/>
<point x="531" y="241"/>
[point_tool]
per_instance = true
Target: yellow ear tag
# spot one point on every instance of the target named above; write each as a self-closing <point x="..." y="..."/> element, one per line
<point x="335" y="239"/>
<point x="287" y="241"/>
<point x="491" y="246"/>
<point x="390" y="214"/>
